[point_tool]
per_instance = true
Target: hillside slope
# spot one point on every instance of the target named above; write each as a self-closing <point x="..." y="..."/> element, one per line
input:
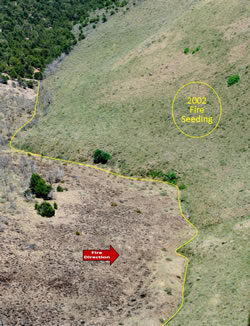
<point x="42" y="271"/>
<point x="114" y="92"/>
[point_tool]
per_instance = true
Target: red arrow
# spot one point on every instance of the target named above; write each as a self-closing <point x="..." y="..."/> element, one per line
<point x="98" y="255"/>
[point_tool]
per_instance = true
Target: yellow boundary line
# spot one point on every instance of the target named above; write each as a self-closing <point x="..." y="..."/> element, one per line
<point x="124" y="177"/>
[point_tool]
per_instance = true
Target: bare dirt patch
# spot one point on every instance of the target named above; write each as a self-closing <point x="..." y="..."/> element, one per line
<point x="242" y="225"/>
<point x="43" y="279"/>
<point x="237" y="52"/>
<point x="16" y="105"/>
<point x="233" y="30"/>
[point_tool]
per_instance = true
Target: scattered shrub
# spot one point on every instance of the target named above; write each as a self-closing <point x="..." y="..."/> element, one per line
<point x="28" y="195"/>
<point x="104" y="18"/>
<point x="78" y="233"/>
<point x="94" y="20"/>
<point x="182" y="186"/>
<point x="196" y="49"/>
<point x="233" y="79"/>
<point x="21" y="82"/>
<point x="27" y="192"/>
<point x="39" y="187"/>
<point x="3" y="79"/>
<point x="82" y="36"/>
<point x="171" y="177"/>
<point x="59" y="189"/>
<point x="138" y="211"/>
<point x="168" y="291"/>
<point x="55" y="205"/>
<point x="101" y="156"/>
<point x="30" y="83"/>
<point x="186" y="51"/>
<point x="45" y="209"/>
<point x="156" y="174"/>
<point x="124" y="3"/>
<point x="13" y="74"/>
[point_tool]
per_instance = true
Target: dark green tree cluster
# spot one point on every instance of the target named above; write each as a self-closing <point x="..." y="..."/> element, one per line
<point x="45" y="209"/>
<point x="35" y="32"/>
<point x="39" y="187"/>
<point x="59" y="189"/>
<point x="101" y="156"/>
<point x="233" y="79"/>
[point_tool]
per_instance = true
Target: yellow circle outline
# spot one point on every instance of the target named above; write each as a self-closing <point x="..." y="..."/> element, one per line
<point x="196" y="82"/>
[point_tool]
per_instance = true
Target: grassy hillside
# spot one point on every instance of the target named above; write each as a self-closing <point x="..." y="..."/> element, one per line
<point x="114" y="92"/>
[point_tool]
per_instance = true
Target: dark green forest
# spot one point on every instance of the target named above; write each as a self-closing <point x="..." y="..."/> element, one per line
<point x="35" y="32"/>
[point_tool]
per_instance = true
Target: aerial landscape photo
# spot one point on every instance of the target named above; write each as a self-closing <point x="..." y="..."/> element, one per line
<point x="124" y="162"/>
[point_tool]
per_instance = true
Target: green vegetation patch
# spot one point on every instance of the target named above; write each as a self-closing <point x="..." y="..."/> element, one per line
<point x="182" y="186"/>
<point x="233" y="79"/>
<point x="45" y="209"/>
<point x="196" y="49"/>
<point x="39" y="187"/>
<point x="170" y="177"/>
<point x="101" y="157"/>
<point x="34" y="33"/>
<point x="3" y="79"/>
<point x="59" y="189"/>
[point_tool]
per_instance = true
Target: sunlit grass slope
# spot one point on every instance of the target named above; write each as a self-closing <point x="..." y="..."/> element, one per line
<point x="114" y="92"/>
